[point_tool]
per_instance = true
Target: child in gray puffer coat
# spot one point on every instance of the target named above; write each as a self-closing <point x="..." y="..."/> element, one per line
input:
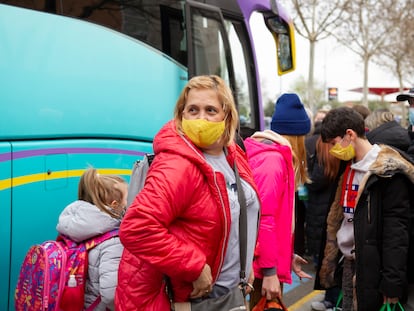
<point x="100" y="207"/>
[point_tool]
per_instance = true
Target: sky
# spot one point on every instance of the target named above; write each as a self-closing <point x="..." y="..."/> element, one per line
<point x="335" y="66"/>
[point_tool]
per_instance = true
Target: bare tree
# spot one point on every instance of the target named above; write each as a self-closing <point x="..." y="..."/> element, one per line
<point x="397" y="55"/>
<point x="316" y="20"/>
<point x="367" y="26"/>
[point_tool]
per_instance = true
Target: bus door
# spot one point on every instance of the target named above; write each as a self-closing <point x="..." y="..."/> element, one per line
<point x="218" y="43"/>
<point x="208" y="46"/>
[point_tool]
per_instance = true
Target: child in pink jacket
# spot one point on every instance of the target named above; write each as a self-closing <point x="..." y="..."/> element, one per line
<point x="275" y="157"/>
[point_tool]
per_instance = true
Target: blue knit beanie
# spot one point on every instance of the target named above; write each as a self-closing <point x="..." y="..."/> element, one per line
<point x="290" y="117"/>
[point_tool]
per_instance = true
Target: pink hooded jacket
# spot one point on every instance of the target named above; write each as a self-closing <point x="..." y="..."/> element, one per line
<point x="270" y="157"/>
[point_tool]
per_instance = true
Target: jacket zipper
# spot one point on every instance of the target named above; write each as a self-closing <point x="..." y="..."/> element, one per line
<point x="225" y="225"/>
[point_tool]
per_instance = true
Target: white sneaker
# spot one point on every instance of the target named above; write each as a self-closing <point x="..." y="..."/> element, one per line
<point x="322" y="305"/>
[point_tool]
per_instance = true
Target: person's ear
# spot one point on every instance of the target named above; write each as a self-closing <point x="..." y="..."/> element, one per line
<point x="351" y="133"/>
<point x="114" y="204"/>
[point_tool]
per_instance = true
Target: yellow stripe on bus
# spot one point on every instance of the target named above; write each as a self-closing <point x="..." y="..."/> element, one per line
<point x="27" y="179"/>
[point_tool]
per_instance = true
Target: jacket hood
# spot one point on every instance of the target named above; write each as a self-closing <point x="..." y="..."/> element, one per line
<point x="270" y="135"/>
<point x="81" y="220"/>
<point x="369" y="158"/>
<point x="389" y="162"/>
<point x="280" y="144"/>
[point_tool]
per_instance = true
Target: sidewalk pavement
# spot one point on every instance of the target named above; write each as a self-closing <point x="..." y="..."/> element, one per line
<point x="299" y="295"/>
<point x="304" y="303"/>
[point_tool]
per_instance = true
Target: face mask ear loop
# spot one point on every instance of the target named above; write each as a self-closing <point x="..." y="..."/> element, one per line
<point x="343" y="138"/>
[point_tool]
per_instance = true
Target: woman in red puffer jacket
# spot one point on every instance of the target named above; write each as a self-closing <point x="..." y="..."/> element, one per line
<point x="184" y="223"/>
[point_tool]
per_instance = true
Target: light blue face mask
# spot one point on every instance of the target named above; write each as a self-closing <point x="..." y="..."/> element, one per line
<point x="411" y="115"/>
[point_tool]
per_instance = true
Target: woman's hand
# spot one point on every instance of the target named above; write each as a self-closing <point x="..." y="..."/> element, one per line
<point x="297" y="263"/>
<point x="249" y="288"/>
<point x="271" y="287"/>
<point x="204" y="284"/>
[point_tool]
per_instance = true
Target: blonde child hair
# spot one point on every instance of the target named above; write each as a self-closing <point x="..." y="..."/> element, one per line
<point x="103" y="191"/>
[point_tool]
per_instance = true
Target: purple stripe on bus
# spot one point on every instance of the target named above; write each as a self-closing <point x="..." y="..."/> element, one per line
<point x="31" y="153"/>
<point x="5" y="157"/>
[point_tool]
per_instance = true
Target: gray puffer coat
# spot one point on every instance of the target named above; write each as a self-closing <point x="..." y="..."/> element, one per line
<point x="80" y="221"/>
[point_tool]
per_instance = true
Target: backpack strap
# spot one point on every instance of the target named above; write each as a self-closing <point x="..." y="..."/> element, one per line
<point x="91" y="243"/>
<point x="94" y="304"/>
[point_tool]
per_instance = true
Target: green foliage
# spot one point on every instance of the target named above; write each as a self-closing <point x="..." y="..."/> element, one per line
<point x="243" y="111"/>
<point x="377" y="104"/>
<point x="268" y="108"/>
<point x="300" y="87"/>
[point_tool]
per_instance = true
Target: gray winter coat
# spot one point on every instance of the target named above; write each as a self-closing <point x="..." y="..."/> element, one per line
<point x="80" y="221"/>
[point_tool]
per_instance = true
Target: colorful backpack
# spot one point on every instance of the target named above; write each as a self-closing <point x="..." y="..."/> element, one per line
<point x="53" y="275"/>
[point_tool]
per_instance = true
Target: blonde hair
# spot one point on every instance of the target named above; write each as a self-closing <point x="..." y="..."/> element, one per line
<point x="377" y="118"/>
<point x="101" y="191"/>
<point x="299" y="158"/>
<point x="225" y="96"/>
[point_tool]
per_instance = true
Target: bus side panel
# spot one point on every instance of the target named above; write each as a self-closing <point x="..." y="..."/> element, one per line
<point x="68" y="77"/>
<point x="45" y="179"/>
<point x="5" y="221"/>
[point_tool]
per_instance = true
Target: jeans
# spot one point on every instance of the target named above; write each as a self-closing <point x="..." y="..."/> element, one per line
<point x="332" y="294"/>
<point x="409" y="305"/>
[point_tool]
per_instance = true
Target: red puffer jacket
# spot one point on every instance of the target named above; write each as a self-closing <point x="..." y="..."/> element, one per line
<point x="178" y="222"/>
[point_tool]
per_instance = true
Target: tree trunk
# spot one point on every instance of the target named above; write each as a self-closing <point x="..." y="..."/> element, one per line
<point x="365" y="86"/>
<point x="310" y="91"/>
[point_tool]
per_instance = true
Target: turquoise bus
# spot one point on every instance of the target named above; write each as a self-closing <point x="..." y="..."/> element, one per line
<point x="89" y="83"/>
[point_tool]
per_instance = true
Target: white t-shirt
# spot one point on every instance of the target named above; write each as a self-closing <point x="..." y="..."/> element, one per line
<point x="229" y="276"/>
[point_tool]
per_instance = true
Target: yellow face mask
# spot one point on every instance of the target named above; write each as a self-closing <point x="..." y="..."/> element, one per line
<point x="342" y="153"/>
<point x="201" y="132"/>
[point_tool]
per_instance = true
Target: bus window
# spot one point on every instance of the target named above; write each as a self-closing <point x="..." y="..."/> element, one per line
<point x="242" y="61"/>
<point x="209" y="49"/>
<point x="217" y="45"/>
<point x="173" y="37"/>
